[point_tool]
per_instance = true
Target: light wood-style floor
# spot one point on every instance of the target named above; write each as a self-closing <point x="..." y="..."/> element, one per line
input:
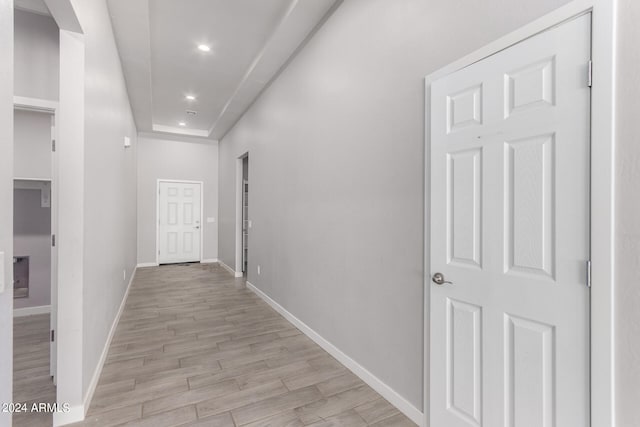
<point x="194" y="347"/>
<point x="32" y="381"/>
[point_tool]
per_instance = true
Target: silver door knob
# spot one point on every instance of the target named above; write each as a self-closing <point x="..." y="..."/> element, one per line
<point x="438" y="279"/>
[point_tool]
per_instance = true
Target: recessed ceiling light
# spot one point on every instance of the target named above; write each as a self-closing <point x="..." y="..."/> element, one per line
<point x="182" y="124"/>
<point x="190" y="97"/>
<point x="204" y="48"/>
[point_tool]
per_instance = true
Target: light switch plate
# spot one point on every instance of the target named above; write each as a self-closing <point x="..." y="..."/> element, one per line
<point x="127" y="142"/>
<point x="210" y="220"/>
<point x="2" y="270"/>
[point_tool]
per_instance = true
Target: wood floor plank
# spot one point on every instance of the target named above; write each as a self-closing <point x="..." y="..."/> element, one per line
<point x="343" y="382"/>
<point x="323" y="408"/>
<point x="113" y="417"/>
<point x="32" y="381"/>
<point x="273" y="374"/>
<point x="175" y="417"/>
<point x="274" y="405"/>
<point x="189" y="397"/>
<point x="283" y="419"/>
<point x="376" y="410"/>
<point x="222" y="420"/>
<point x="348" y="418"/>
<point x="238" y="373"/>
<point x="397" y="420"/>
<point x="241" y="398"/>
<point x="138" y="395"/>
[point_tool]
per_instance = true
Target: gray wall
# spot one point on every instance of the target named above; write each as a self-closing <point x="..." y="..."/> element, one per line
<point x="32" y="238"/>
<point x="6" y="204"/>
<point x="108" y="201"/>
<point x="627" y="208"/>
<point x="336" y="166"/>
<point x="109" y="183"/>
<point x="36" y="56"/>
<point x="32" y="144"/>
<point x="182" y="160"/>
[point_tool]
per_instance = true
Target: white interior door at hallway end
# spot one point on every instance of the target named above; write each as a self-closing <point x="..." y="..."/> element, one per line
<point x="179" y="222"/>
<point x="510" y="156"/>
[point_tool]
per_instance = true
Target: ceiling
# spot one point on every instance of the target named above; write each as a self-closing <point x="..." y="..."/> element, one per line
<point x="34" y="6"/>
<point x="249" y="41"/>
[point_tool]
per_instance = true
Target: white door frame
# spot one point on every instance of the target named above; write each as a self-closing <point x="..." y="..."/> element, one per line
<point x="181" y="181"/>
<point x="239" y="190"/>
<point x="602" y="191"/>
<point x="49" y="107"/>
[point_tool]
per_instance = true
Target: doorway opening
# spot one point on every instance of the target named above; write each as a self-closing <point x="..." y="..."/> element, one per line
<point x="243" y="223"/>
<point x="245" y="215"/>
<point x="35" y="258"/>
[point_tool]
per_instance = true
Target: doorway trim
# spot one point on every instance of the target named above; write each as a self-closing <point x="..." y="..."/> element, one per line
<point x="45" y="106"/>
<point x="239" y="179"/>
<point x="602" y="402"/>
<point x="182" y="181"/>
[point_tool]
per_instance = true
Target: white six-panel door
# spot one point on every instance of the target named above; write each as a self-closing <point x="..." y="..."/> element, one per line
<point x="179" y="222"/>
<point x="510" y="155"/>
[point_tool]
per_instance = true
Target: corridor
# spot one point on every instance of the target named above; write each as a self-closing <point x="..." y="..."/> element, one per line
<point x="195" y="347"/>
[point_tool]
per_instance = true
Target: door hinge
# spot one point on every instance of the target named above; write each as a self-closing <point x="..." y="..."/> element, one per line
<point x="53" y="335"/>
<point x="590" y="73"/>
<point x="53" y="145"/>
<point x="589" y="274"/>
<point x="53" y="240"/>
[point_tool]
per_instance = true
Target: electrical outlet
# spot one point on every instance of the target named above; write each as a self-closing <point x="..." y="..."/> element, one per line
<point x="258" y="270"/>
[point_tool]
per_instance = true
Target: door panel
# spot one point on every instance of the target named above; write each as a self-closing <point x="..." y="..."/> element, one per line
<point x="464" y="373"/>
<point x="529" y="225"/>
<point x="509" y="336"/>
<point x="529" y="373"/>
<point x="179" y="222"/>
<point x="464" y="239"/>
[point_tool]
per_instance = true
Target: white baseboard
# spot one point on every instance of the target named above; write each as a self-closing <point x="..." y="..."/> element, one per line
<point x="30" y="311"/>
<point x="147" y="264"/>
<point x="374" y="382"/>
<point x="75" y="414"/>
<point x="229" y="269"/>
<point x="209" y="261"/>
<point x="105" y="350"/>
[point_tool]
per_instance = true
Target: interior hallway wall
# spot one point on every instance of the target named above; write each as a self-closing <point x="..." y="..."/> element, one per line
<point x="109" y="184"/>
<point x="37" y="56"/>
<point x="6" y="207"/>
<point x="627" y="269"/>
<point x="337" y="160"/>
<point x="190" y="160"/>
